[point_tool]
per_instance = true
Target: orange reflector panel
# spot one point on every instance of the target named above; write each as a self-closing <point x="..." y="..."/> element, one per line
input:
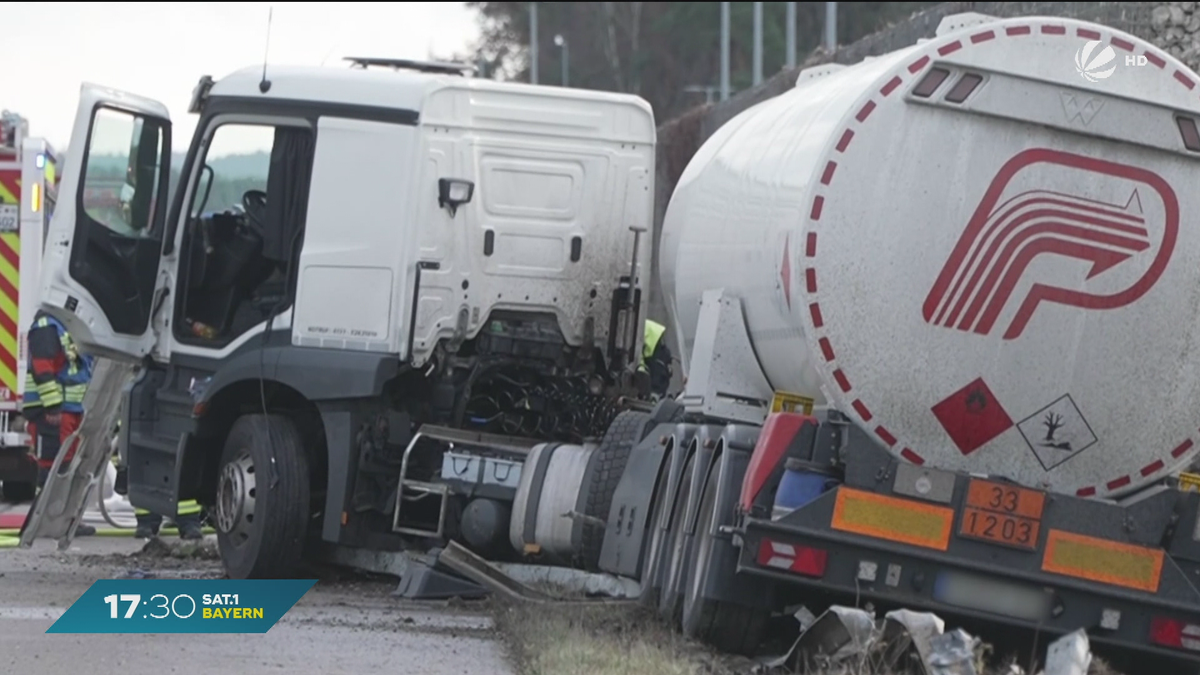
<point x="1108" y="562"/>
<point x="893" y="519"/>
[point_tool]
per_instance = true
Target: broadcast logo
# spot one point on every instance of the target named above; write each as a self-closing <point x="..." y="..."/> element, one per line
<point x="182" y="606"/>
<point x="1095" y="63"/>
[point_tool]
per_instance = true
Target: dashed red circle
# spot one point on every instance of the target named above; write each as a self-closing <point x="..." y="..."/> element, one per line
<point x="912" y="70"/>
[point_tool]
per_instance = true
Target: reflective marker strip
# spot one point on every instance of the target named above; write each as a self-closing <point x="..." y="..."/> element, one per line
<point x="899" y="520"/>
<point x="782" y="556"/>
<point x="1102" y="560"/>
<point x="10" y="283"/>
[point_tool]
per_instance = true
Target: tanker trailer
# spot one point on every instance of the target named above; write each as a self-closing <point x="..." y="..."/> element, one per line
<point x="978" y="258"/>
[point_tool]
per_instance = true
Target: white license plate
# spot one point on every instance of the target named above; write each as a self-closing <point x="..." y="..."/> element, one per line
<point x="9" y="213"/>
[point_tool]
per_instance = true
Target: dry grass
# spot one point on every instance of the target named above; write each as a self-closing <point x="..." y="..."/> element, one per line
<point x="578" y="639"/>
<point x="584" y="639"/>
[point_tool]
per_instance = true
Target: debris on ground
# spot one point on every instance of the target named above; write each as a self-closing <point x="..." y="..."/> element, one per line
<point x="202" y="549"/>
<point x="1069" y="655"/>
<point x="162" y="558"/>
<point x="954" y="653"/>
<point x="569" y="638"/>
<point x="908" y="636"/>
<point x="521" y="582"/>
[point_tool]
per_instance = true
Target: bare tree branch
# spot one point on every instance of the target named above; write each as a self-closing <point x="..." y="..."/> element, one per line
<point x="611" y="50"/>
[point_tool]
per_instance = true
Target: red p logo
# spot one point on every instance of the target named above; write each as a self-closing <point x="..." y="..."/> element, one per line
<point x="1034" y="208"/>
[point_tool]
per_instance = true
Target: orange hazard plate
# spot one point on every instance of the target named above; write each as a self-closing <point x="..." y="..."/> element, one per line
<point x="999" y="528"/>
<point x="1002" y="514"/>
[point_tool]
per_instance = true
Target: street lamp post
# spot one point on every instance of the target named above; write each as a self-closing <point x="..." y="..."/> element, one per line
<point x="831" y="23"/>
<point x="790" y="35"/>
<point x="533" y="43"/>
<point x="725" y="40"/>
<point x="562" y="42"/>
<point x="758" y="43"/>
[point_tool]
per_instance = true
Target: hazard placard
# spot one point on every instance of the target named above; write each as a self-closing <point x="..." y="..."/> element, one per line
<point x="1189" y="482"/>
<point x="783" y="401"/>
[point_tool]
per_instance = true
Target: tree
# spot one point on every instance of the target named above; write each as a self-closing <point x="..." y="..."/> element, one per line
<point x="658" y="49"/>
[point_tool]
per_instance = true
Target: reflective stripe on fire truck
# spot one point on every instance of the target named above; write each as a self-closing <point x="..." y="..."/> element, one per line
<point x="10" y="284"/>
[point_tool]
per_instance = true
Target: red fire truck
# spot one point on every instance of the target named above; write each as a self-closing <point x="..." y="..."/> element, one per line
<point x="28" y="180"/>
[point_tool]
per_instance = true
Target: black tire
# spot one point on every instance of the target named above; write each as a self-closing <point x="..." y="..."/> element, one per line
<point x="270" y="543"/>
<point x="609" y="461"/>
<point x="656" y="541"/>
<point x="670" y="601"/>
<point x="16" y="492"/>
<point x="724" y="625"/>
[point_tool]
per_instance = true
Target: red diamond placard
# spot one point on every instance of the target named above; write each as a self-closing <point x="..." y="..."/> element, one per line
<point x="972" y="416"/>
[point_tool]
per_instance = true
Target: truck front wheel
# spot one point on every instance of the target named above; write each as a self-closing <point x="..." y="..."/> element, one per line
<point x="262" y="500"/>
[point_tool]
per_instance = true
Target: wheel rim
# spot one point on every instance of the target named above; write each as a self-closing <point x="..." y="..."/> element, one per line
<point x="235" y="499"/>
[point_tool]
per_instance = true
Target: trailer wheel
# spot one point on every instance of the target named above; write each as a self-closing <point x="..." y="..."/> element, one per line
<point x="262" y="503"/>
<point x="726" y="626"/>
<point x="609" y="461"/>
<point x="670" y="605"/>
<point x="656" y="541"/>
<point x="17" y="492"/>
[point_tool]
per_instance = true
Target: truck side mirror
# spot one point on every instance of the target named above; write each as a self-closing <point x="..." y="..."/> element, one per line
<point x="453" y="193"/>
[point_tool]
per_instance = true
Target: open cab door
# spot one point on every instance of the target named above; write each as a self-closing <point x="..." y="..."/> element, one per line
<point x="100" y="274"/>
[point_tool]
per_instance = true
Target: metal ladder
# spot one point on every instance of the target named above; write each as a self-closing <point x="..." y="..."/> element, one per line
<point x="60" y="506"/>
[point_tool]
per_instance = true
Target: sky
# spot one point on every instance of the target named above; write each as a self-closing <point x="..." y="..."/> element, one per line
<point x="160" y="50"/>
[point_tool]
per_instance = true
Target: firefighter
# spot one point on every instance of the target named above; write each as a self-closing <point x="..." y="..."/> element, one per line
<point x="656" y="358"/>
<point x="187" y="519"/>
<point x="187" y="514"/>
<point x="57" y="377"/>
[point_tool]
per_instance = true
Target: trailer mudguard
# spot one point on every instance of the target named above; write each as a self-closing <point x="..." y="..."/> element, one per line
<point x="621" y="553"/>
<point x="678" y="568"/>
<point x="625" y="534"/>
<point x="720" y="581"/>
<point x="707" y="439"/>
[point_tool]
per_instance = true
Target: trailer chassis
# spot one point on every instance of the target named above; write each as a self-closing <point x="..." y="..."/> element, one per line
<point x="700" y="520"/>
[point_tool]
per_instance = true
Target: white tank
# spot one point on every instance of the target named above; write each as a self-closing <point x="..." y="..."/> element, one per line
<point x="983" y="248"/>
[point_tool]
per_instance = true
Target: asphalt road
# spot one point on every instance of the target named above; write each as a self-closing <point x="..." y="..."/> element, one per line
<point x="341" y="626"/>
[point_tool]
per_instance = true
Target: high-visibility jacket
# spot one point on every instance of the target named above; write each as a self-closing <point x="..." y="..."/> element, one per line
<point x="652" y="335"/>
<point x="57" y="375"/>
<point x="187" y="507"/>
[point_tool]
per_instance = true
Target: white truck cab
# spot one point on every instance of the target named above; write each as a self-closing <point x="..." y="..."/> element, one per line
<point x="346" y="246"/>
